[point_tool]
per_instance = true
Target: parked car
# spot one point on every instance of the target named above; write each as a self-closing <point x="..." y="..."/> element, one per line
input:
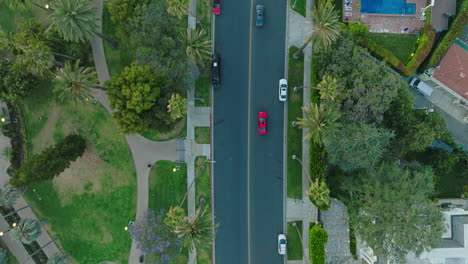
<point x="421" y="86"/>
<point x="262" y="123"/>
<point x="283" y="90"/>
<point x="215" y="70"/>
<point x="216" y="7"/>
<point x="260" y="10"/>
<point x="281" y="244"/>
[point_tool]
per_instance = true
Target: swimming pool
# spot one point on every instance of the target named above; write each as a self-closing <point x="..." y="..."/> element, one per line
<point x="397" y="7"/>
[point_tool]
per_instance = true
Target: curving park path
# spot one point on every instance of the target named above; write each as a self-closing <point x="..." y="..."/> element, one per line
<point x="144" y="151"/>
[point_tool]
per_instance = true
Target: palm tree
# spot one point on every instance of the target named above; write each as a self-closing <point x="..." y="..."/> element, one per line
<point x="177" y="8"/>
<point x="177" y="106"/>
<point x="326" y="27"/>
<point x="198" y="46"/>
<point x="328" y="88"/>
<point x="26" y="231"/>
<point x="36" y="58"/>
<point x="319" y="194"/>
<point x="8" y="196"/>
<point x="319" y="121"/>
<point x="75" y="82"/>
<point x="58" y="259"/>
<point x="198" y="231"/>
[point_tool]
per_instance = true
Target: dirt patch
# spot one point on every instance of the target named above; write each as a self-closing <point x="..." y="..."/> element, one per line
<point x="46" y="135"/>
<point x="87" y="174"/>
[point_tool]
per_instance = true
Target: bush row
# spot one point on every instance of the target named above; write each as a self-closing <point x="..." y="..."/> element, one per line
<point x="50" y="162"/>
<point x="317" y="163"/>
<point x="318" y="237"/>
<point x="424" y="47"/>
<point x="455" y="30"/>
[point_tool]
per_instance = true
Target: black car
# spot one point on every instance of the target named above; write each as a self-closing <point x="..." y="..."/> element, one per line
<point x="215" y="70"/>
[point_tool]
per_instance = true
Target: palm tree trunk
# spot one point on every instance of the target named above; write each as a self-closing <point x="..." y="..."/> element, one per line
<point x="114" y="44"/>
<point x="29" y="205"/>
<point x="43" y="8"/>
<point x="100" y="87"/>
<point x="296" y="55"/>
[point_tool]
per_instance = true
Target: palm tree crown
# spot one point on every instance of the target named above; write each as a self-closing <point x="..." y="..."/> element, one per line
<point x="8" y="196"/>
<point x="320" y="122"/>
<point x="319" y="194"/>
<point x="75" y="20"/>
<point x="75" y="82"/>
<point x="328" y="88"/>
<point x="177" y="8"/>
<point x="198" y="46"/>
<point x="27" y="230"/>
<point x="326" y="27"/>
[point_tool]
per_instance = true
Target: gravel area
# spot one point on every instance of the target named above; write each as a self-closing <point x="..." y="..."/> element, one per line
<point x="335" y="221"/>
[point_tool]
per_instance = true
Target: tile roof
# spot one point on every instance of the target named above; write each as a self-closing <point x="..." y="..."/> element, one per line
<point x="453" y="71"/>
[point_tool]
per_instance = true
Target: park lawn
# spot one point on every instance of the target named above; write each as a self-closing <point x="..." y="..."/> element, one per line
<point x="203" y="190"/>
<point x="203" y="88"/>
<point x="167" y="188"/>
<point x="294" y="141"/>
<point x="299" y="6"/>
<point x="294" y="245"/>
<point x="401" y="45"/>
<point x="87" y="205"/>
<point x="116" y="58"/>
<point x="202" y="135"/>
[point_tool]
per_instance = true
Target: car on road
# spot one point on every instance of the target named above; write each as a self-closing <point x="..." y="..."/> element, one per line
<point x="283" y="90"/>
<point x="216" y="7"/>
<point x="260" y="10"/>
<point x="421" y="87"/>
<point x="215" y="70"/>
<point x="281" y="244"/>
<point x="262" y="123"/>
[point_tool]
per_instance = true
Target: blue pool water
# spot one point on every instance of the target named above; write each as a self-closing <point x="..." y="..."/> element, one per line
<point x="398" y="7"/>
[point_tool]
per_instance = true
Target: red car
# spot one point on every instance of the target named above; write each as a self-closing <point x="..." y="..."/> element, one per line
<point x="262" y="123"/>
<point x="216" y="7"/>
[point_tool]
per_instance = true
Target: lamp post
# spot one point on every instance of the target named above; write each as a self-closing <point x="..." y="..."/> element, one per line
<point x="200" y="99"/>
<point x="176" y="168"/>
<point x="302" y="241"/>
<point x="294" y="157"/>
<point x="4" y="232"/>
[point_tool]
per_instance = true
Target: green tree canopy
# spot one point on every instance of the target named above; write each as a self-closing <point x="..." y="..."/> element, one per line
<point x="26" y="231"/>
<point x="319" y="194"/>
<point x="357" y="146"/>
<point x="13" y="86"/>
<point x="135" y="93"/>
<point x="74" y="82"/>
<point x="391" y="211"/>
<point x="320" y="121"/>
<point x="177" y="106"/>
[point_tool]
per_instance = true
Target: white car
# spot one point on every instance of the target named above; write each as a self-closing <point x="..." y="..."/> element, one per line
<point x="283" y="90"/>
<point x="281" y="244"/>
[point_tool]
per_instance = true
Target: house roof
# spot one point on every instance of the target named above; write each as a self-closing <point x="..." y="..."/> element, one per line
<point x="453" y="70"/>
<point x="440" y="13"/>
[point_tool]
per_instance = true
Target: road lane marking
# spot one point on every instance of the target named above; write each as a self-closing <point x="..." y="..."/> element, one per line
<point x="249" y="115"/>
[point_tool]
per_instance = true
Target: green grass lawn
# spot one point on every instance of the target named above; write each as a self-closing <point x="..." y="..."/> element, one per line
<point x="299" y="6"/>
<point x="203" y="88"/>
<point x="116" y="58"/>
<point x="167" y="188"/>
<point x="202" y="135"/>
<point x="294" y="241"/>
<point x="401" y="45"/>
<point x="294" y="170"/>
<point x="88" y="205"/>
<point x="203" y="189"/>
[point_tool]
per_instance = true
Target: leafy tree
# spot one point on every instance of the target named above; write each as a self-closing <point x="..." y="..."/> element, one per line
<point x="358" y="29"/>
<point x="318" y="237"/>
<point x="75" y="20"/>
<point x="13" y="86"/>
<point x="134" y="94"/>
<point x="18" y="5"/>
<point x="58" y="259"/>
<point x="177" y="106"/>
<point x="36" y="59"/>
<point x="26" y="231"/>
<point x="392" y="213"/>
<point x="154" y="237"/>
<point x="74" y="82"/>
<point x="178" y="8"/>
<point x="197" y="231"/>
<point x="123" y="10"/>
<point x="366" y="88"/>
<point x="320" y="121"/>
<point x="357" y="146"/>
<point x="8" y="196"/>
<point x="319" y="194"/>
<point x="198" y="46"/>
<point x="415" y="130"/>
<point x="326" y="29"/>
<point x="50" y="162"/>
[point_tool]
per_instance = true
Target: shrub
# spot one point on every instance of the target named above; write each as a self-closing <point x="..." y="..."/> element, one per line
<point x="455" y="30"/>
<point x="317" y="164"/>
<point x="318" y="237"/>
<point x="50" y="162"/>
<point x="424" y="47"/>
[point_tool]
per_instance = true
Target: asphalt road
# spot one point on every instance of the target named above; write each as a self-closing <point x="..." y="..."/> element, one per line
<point x="248" y="173"/>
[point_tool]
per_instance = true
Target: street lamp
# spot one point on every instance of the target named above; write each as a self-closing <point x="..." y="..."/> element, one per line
<point x="200" y="99"/>
<point x="302" y="241"/>
<point x="176" y="168"/>
<point x="294" y="123"/>
<point x="296" y="88"/>
<point x="2" y="233"/>
<point x="294" y="157"/>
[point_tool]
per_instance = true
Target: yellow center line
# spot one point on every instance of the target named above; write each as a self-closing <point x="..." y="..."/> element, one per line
<point x="249" y="115"/>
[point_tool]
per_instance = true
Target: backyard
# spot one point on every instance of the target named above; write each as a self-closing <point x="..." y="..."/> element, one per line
<point x="401" y="45"/>
<point x="89" y="203"/>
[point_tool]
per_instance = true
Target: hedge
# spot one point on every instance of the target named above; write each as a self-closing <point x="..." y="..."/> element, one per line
<point x="424" y="47"/>
<point x="455" y="30"/>
<point x="317" y="164"/>
<point x="318" y="237"/>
